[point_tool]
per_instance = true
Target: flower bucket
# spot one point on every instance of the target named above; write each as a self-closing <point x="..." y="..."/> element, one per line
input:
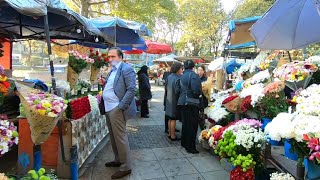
<point x="265" y="121"/>
<point x="287" y="153"/>
<point x="274" y="143"/>
<point x="312" y="170"/>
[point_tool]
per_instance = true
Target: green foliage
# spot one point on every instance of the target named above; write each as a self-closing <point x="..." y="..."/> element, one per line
<point x="202" y="24"/>
<point x="250" y="8"/>
<point x="82" y="84"/>
<point x="300" y="148"/>
<point x="272" y="104"/>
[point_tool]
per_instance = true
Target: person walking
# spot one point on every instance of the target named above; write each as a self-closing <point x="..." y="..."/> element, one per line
<point x="190" y="90"/>
<point x="144" y="90"/>
<point x="118" y="104"/>
<point x="203" y="100"/>
<point x="171" y="96"/>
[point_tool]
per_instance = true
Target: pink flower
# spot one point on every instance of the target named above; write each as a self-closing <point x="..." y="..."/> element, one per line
<point x="57" y="109"/>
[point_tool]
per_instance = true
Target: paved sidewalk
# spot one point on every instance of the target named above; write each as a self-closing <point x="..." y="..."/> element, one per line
<point x="154" y="157"/>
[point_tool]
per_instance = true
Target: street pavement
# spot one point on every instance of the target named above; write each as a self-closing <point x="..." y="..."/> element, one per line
<point x="154" y="156"/>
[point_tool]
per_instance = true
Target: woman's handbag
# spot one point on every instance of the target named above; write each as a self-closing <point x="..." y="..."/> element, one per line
<point x="189" y="100"/>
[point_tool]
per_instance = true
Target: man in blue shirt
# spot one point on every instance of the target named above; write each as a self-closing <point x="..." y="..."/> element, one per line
<point x="118" y="104"/>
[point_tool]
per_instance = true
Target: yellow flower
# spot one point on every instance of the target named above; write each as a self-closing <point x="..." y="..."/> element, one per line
<point x="42" y="112"/>
<point x="3" y="78"/>
<point x="100" y="93"/>
<point x="46" y="105"/>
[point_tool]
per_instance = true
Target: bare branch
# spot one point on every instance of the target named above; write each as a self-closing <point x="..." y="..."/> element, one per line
<point x="101" y="2"/>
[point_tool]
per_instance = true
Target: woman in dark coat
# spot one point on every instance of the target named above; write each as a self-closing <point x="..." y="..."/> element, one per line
<point x="203" y="100"/>
<point x="191" y="88"/>
<point x="144" y="90"/>
<point x="171" y="96"/>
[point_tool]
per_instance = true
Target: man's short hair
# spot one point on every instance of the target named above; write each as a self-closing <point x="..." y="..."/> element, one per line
<point x="175" y="67"/>
<point x="189" y="64"/>
<point x="119" y="51"/>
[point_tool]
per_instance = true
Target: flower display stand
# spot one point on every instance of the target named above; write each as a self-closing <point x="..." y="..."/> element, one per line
<point x="81" y="140"/>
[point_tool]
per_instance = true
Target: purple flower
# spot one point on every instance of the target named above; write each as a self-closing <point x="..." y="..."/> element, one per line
<point x="4" y="132"/>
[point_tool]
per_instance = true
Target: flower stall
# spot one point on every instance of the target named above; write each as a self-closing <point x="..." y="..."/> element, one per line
<point x="285" y="125"/>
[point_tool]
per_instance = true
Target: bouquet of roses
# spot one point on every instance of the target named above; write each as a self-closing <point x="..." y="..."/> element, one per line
<point x="239" y="174"/>
<point x="77" y="62"/>
<point x="99" y="61"/>
<point x="296" y="74"/>
<point x="78" y="108"/>
<point x="8" y="134"/>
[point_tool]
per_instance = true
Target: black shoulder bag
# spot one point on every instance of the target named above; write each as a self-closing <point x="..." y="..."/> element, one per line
<point x="189" y="100"/>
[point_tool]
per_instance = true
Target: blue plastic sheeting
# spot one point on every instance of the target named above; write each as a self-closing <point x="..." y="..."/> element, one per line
<point x="38" y="82"/>
<point x="117" y="31"/>
<point x="231" y="66"/>
<point x="241" y="46"/>
<point x="28" y="15"/>
<point x="104" y="46"/>
<point x="232" y="23"/>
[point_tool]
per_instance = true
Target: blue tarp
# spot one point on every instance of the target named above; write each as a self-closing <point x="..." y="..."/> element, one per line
<point x="121" y="32"/>
<point x="232" y="29"/>
<point x="232" y="23"/>
<point x="105" y="46"/>
<point x="231" y="66"/>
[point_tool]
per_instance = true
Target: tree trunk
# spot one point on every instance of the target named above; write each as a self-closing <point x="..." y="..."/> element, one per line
<point x="85" y="8"/>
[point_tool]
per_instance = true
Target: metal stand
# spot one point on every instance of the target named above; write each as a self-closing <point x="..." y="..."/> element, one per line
<point x="37" y="157"/>
<point x="74" y="163"/>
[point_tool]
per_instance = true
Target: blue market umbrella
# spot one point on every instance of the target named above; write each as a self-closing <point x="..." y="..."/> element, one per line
<point x="121" y="32"/>
<point x="288" y="24"/>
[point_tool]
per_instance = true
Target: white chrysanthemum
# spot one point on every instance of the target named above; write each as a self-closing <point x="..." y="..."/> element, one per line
<point x="93" y="103"/>
<point x="281" y="127"/>
<point x="281" y="176"/>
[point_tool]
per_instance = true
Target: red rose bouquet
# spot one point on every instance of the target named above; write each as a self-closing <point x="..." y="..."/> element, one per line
<point x="246" y="104"/>
<point x="238" y="174"/>
<point x="79" y="108"/>
<point x="100" y="60"/>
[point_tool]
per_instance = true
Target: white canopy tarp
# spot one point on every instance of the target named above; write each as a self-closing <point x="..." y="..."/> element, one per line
<point x="169" y="58"/>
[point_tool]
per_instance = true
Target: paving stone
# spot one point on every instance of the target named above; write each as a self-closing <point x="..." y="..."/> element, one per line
<point x="148" y="137"/>
<point x="206" y="163"/>
<point x="176" y="167"/>
<point x="146" y="170"/>
<point x="167" y="153"/>
<point x="143" y="155"/>
<point x="218" y="175"/>
<point x="187" y="177"/>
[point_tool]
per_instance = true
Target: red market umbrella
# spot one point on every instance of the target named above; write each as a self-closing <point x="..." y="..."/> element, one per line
<point x="157" y="48"/>
<point x="134" y="51"/>
<point x="198" y="61"/>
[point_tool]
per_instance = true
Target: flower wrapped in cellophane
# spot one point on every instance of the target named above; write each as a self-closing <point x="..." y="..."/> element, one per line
<point x="296" y="75"/>
<point x="43" y="110"/>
